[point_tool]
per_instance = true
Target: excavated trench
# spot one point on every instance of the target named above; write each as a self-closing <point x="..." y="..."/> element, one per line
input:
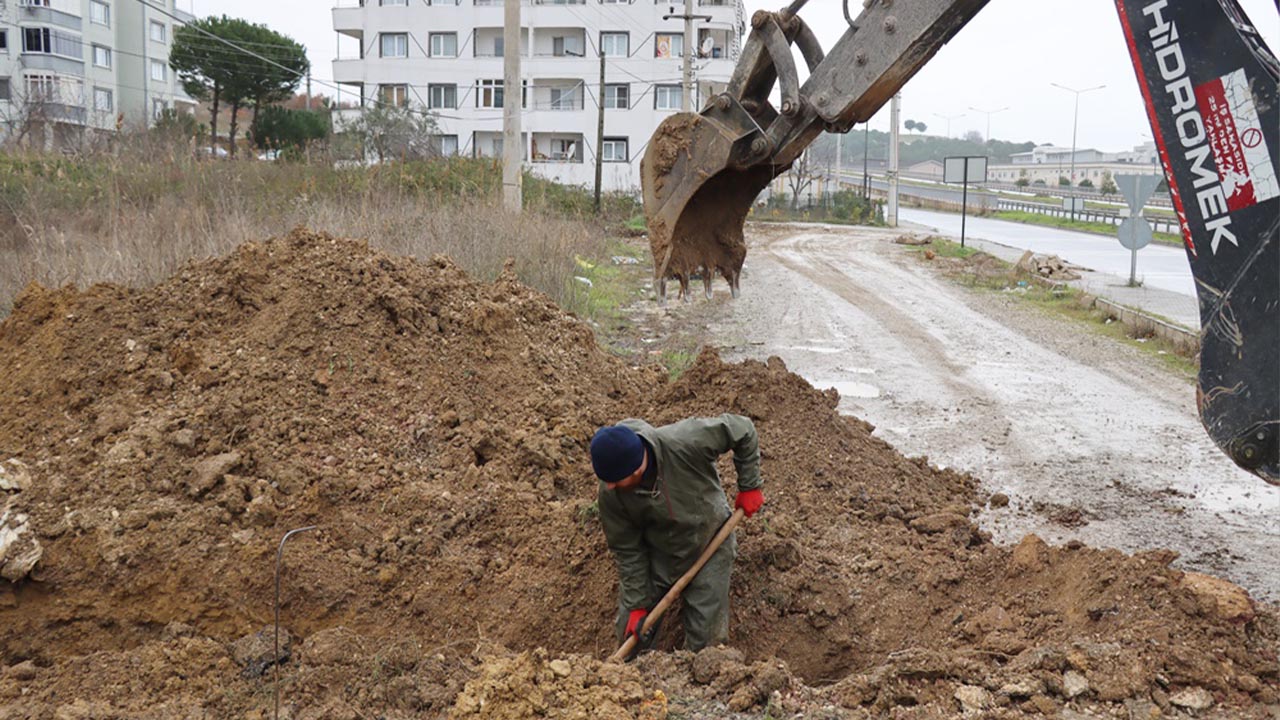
<point x="435" y="428"/>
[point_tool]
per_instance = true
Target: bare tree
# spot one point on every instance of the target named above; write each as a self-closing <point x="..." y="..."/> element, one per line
<point x="800" y="178"/>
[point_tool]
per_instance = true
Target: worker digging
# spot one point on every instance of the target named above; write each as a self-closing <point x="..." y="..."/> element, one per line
<point x="661" y="503"/>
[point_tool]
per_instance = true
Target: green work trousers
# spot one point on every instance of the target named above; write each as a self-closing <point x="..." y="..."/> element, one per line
<point x="706" y="598"/>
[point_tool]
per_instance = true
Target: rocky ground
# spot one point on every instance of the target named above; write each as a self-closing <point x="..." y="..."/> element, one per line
<point x="434" y="429"/>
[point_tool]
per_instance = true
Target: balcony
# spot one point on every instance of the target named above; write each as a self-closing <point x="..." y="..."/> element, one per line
<point x="488" y="42"/>
<point x="557" y="148"/>
<point x="560" y="42"/>
<point x="55" y="12"/>
<point x="348" y="71"/>
<point x="558" y="95"/>
<point x="349" y="20"/>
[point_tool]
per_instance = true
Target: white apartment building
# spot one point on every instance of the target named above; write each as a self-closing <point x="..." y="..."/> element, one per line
<point x="71" y="66"/>
<point x="446" y="56"/>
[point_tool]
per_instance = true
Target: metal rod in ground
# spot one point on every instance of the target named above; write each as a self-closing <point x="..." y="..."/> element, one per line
<point x="964" y="200"/>
<point x="275" y="659"/>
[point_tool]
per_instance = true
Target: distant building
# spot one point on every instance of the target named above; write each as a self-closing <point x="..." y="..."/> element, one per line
<point x="1052" y="155"/>
<point x="446" y="56"/>
<point x="929" y="170"/>
<point x="1047" y="164"/>
<point x="72" y="67"/>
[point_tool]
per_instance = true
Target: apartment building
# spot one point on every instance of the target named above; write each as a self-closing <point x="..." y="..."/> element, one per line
<point x="73" y="67"/>
<point x="446" y="57"/>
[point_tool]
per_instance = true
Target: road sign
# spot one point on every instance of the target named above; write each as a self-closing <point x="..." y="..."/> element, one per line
<point x="1135" y="233"/>
<point x="1068" y="202"/>
<point x="1137" y="190"/>
<point x="964" y="169"/>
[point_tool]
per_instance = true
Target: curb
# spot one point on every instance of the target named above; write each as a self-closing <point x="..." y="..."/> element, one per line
<point x="1183" y="340"/>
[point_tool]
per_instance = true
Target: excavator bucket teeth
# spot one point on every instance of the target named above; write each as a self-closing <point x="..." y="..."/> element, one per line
<point x="695" y="202"/>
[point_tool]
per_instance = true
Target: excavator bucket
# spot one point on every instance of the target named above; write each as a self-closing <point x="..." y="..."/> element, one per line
<point x="702" y="172"/>
<point x="696" y="202"/>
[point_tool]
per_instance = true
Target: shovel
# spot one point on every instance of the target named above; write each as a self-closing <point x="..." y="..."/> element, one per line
<point x="651" y="619"/>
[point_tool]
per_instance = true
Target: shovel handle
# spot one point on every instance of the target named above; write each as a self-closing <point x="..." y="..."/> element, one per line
<point x="652" y="618"/>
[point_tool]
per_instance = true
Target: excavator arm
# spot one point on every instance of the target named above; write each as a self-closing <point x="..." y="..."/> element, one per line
<point x="1209" y="83"/>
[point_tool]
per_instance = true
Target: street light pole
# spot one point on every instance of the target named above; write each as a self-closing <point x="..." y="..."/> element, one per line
<point x="949" y="118"/>
<point x="866" y="145"/>
<point x="988" y="113"/>
<point x="1071" y="194"/>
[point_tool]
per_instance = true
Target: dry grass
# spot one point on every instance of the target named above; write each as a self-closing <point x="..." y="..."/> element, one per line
<point x="135" y="216"/>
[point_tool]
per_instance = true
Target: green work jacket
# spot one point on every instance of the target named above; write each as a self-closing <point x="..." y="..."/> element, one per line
<point x="669" y="526"/>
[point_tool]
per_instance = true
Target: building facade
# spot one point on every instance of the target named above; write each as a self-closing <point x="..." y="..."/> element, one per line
<point x="446" y="57"/>
<point x="69" y="68"/>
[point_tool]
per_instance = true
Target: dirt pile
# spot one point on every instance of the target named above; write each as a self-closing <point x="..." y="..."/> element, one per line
<point x="435" y="429"/>
<point x="572" y="687"/>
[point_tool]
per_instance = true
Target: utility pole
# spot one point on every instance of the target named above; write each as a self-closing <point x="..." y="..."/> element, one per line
<point x="308" y="88"/>
<point x="895" y="106"/>
<point x="686" y="102"/>
<point x="600" y="133"/>
<point x="511" y="100"/>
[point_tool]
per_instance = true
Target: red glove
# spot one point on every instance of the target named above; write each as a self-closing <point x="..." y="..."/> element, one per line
<point x="749" y="500"/>
<point x="635" y="621"/>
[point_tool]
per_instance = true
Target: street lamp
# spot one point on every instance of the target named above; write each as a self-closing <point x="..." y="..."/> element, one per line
<point x="1074" y="124"/>
<point x="949" y="118"/>
<point x="988" y="113"/>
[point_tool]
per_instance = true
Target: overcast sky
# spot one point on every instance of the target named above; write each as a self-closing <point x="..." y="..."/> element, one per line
<point x="1005" y="57"/>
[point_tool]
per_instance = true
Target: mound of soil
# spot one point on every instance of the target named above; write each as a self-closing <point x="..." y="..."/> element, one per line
<point x="435" y="430"/>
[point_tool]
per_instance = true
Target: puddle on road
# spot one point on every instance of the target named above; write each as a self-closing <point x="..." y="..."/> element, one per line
<point x="813" y="349"/>
<point x="849" y="388"/>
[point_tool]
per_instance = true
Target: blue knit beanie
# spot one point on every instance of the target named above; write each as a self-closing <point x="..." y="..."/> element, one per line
<point x="616" y="452"/>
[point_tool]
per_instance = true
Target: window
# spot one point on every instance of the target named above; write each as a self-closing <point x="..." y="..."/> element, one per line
<point x="444" y="44"/>
<point x="443" y="97"/>
<point x="4" y="89"/>
<point x="389" y="3"/>
<point x="4" y="40"/>
<point x="615" y="150"/>
<point x="99" y="12"/>
<point x="564" y="98"/>
<point x="446" y="145"/>
<point x="44" y="40"/>
<point x="615" y="44"/>
<point x="564" y="149"/>
<point x="157" y="31"/>
<point x="42" y="88"/>
<point x="489" y="93"/>
<point x="103" y="100"/>
<point x="567" y="46"/>
<point x="499" y="46"/>
<point x="157" y="71"/>
<point x="101" y="56"/>
<point x="668" y="45"/>
<point x="617" y="96"/>
<point x="666" y="97"/>
<point x="394" y="95"/>
<point x="157" y="109"/>
<point x="394" y="45"/>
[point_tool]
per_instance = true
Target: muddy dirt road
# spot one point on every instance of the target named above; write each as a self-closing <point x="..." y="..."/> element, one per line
<point x="1090" y="439"/>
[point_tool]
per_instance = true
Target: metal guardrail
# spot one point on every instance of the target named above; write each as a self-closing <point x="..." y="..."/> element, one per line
<point x="1109" y="217"/>
<point x="1159" y="199"/>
